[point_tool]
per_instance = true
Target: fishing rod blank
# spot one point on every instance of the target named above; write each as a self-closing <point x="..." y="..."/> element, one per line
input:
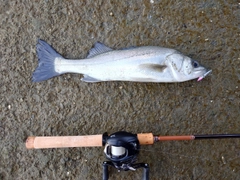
<point x="216" y="136"/>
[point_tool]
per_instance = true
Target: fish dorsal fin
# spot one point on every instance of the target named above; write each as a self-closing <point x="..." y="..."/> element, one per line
<point x="153" y="67"/>
<point x="131" y="47"/>
<point x="98" y="48"/>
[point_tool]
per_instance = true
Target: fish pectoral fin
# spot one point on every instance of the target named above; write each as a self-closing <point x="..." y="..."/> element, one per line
<point x="97" y="49"/>
<point x="87" y="78"/>
<point x="153" y="67"/>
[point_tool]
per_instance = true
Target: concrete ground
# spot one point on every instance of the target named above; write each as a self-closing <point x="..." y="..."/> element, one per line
<point x="207" y="31"/>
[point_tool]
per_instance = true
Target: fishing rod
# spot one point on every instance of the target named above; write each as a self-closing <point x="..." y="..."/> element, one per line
<point x="121" y="148"/>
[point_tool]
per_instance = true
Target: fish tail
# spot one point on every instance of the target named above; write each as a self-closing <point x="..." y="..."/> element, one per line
<point x="46" y="62"/>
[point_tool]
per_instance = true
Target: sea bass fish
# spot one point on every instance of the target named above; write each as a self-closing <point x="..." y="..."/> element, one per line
<point x="139" y="64"/>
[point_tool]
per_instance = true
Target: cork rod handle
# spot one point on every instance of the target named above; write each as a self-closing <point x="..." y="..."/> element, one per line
<point x="42" y="142"/>
<point x="63" y="141"/>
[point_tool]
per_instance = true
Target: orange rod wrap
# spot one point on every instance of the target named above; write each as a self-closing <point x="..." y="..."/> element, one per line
<point x="175" y="138"/>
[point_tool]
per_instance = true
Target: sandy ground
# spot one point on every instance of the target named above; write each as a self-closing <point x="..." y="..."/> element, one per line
<point x="207" y="31"/>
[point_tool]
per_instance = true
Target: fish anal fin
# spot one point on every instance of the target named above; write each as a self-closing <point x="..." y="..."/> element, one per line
<point x="154" y="67"/>
<point x="97" y="49"/>
<point x="87" y="78"/>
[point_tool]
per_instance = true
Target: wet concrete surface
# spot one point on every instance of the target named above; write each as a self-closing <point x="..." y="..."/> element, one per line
<point x="207" y="31"/>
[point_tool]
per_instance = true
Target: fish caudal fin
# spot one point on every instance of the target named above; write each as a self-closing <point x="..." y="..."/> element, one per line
<point x="46" y="62"/>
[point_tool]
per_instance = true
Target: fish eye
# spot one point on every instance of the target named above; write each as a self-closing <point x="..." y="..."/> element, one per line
<point x="195" y="64"/>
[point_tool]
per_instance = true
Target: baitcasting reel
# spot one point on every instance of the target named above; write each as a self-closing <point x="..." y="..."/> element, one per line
<point x="121" y="149"/>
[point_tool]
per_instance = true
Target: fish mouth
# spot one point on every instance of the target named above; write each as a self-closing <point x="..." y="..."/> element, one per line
<point x="208" y="71"/>
<point x="200" y="71"/>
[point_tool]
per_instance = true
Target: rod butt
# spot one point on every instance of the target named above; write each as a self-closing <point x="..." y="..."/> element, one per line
<point x="30" y="142"/>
